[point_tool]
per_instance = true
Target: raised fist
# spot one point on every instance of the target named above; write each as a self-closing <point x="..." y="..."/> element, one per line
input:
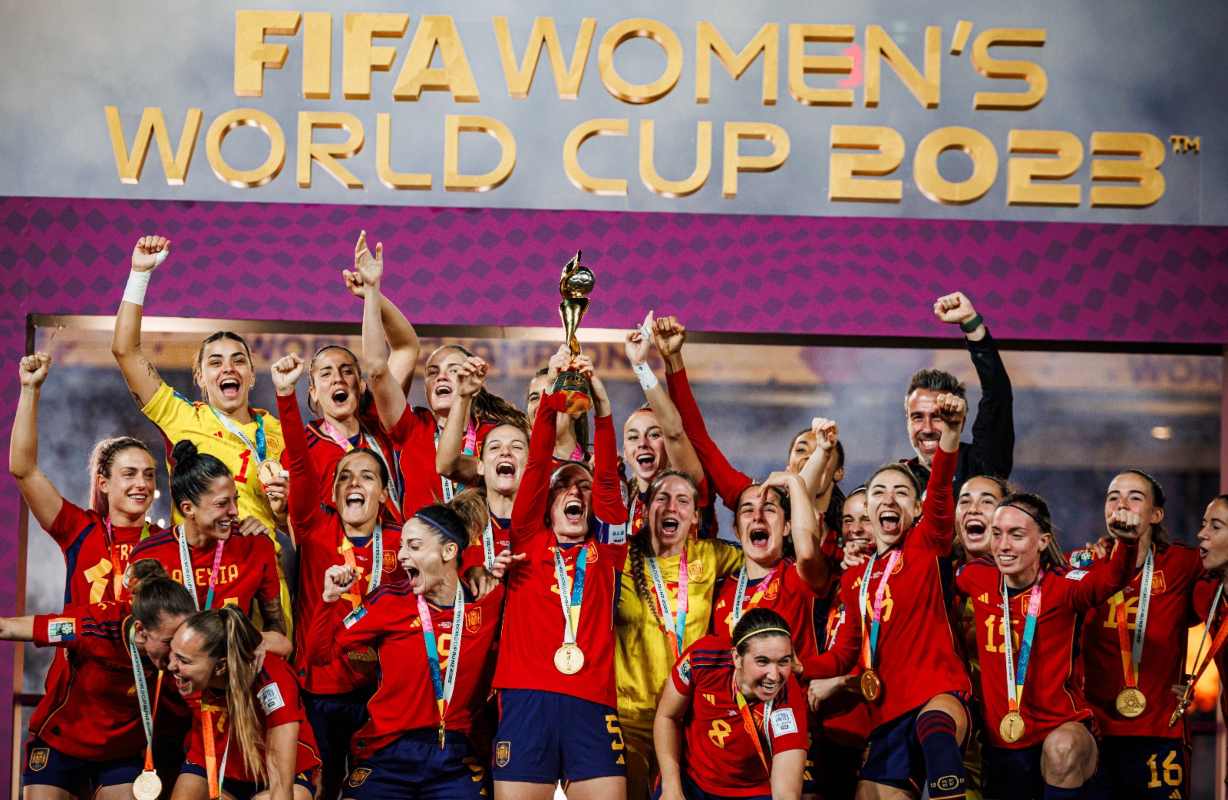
<point x="286" y="371"/>
<point x="954" y="308"/>
<point x="951" y="411"/>
<point x="669" y="335"/>
<point x="150" y="251"/>
<point x="826" y="432"/>
<point x="34" y="369"/>
<point x="337" y="580"/>
<point x="470" y="376"/>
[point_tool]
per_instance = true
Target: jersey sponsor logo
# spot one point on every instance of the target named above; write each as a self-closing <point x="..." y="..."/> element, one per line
<point x="503" y="753"/>
<point x="38" y="758"/>
<point x="783" y="722"/>
<point x="352" y="618"/>
<point x="61" y="629"/>
<point x="358" y="777"/>
<point x="473" y="619"/>
<point x="270" y="698"/>
<point x="1076" y="574"/>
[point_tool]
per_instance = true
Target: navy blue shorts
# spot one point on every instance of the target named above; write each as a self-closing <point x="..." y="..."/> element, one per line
<point x="894" y="756"/>
<point x="46" y="766"/>
<point x="1012" y="774"/>
<point x="243" y="790"/>
<point x="1147" y="767"/>
<point x="334" y="719"/>
<point x="691" y="791"/>
<point x="413" y="767"/>
<point x="545" y="737"/>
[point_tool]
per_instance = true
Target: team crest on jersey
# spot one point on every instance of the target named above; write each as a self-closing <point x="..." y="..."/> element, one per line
<point x="503" y="753"/>
<point x="358" y="777"/>
<point x="1157" y="582"/>
<point x="38" y="758"/>
<point x="61" y="629"/>
<point x="773" y="590"/>
<point x="390" y="560"/>
<point x="473" y="619"/>
<point x="592" y="552"/>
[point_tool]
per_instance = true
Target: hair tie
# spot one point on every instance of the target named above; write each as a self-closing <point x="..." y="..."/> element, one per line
<point x="442" y="530"/>
<point x="738" y="643"/>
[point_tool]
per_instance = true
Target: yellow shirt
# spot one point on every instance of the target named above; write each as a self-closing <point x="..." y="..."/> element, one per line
<point x="180" y="418"/>
<point x="642" y="655"/>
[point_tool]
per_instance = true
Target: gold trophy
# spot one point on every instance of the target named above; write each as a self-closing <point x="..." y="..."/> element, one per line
<point x="575" y="285"/>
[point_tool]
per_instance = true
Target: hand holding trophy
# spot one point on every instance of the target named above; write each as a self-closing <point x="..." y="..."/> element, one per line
<point x="576" y="283"/>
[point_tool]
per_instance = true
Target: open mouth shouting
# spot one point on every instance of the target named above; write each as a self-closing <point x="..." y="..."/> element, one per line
<point x="646" y="463"/>
<point x="573" y="512"/>
<point x="889" y="523"/>
<point x="230" y="387"/>
<point x="759" y="537"/>
<point x="355" y="499"/>
<point x="505" y="468"/>
<point x="339" y="396"/>
<point x="975" y="528"/>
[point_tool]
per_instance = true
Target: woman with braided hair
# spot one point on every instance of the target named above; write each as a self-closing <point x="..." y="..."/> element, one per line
<point x="664" y="605"/>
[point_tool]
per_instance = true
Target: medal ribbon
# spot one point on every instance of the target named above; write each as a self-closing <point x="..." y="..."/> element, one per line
<point x="759" y="737"/>
<point x="377" y="556"/>
<point x="470" y="448"/>
<point x="214" y="776"/>
<point x="1216" y="643"/>
<point x="488" y="545"/>
<point x="117" y="574"/>
<point x="1015" y="678"/>
<point x="396" y="491"/>
<point x="444" y="685"/>
<point x="739" y="593"/>
<point x="259" y="447"/>
<point x="869" y="643"/>
<point x="1132" y="654"/>
<point x="189" y="579"/>
<point x="571" y="594"/>
<point x="675" y="624"/>
<point x="142" y="699"/>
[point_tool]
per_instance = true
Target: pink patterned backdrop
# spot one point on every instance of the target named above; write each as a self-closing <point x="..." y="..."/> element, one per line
<point x="736" y="274"/>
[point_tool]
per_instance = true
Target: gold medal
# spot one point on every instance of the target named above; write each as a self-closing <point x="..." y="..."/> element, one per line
<point x="270" y="470"/>
<point x="147" y="786"/>
<point x="1011" y="727"/>
<point x="569" y="658"/>
<point x="871" y="685"/>
<point x="1131" y="702"/>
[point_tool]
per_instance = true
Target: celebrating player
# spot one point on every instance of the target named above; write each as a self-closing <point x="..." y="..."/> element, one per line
<point x="1027" y="607"/>
<point x="572" y="433"/>
<point x="96" y="542"/>
<point x="1210" y="605"/>
<point x="912" y="674"/>
<point x="762" y="754"/>
<point x="221" y="559"/>
<point x="1135" y="644"/>
<point x="225" y="425"/>
<point x="437" y="639"/>
<point x="556" y="680"/>
<point x="344" y="530"/>
<point x="89" y="733"/>
<point x="249" y="729"/>
<point x="664" y="605"/>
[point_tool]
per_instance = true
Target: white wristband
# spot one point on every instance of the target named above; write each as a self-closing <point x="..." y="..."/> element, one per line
<point x="138" y="282"/>
<point x="645" y="375"/>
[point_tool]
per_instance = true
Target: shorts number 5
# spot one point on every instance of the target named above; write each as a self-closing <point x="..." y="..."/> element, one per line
<point x="612" y="727"/>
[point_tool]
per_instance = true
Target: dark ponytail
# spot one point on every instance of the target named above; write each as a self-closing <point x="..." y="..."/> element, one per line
<point x="192" y="473"/>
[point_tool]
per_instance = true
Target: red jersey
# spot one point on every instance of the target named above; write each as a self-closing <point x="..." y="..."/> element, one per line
<point x="324" y="452"/>
<point x="787" y="594"/>
<point x="1170" y="614"/>
<point x="247" y="572"/>
<point x="275" y="696"/>
<point x="843" y="718"/>
<point x="533" y="623"/>
<point x="728" y="482"/>
<point x="95" y="560"/>
<point x="413" y="439"/>
<point x="94" y="714"/>
<point x="501" y="539"/>
<point x="322" y="543"/>
<point x="720" y="754"/>
<point x="917" y="658"/>
<point x="405" y="700"/>
<point x="1204" y="595"/>
<point x="1052" y="694"/>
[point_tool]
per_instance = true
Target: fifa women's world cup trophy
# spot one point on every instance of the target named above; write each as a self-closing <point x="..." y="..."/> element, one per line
<point x="575" y="285"/>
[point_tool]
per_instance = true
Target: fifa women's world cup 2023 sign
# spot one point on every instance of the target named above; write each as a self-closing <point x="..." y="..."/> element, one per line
<point x="869" y="108"/>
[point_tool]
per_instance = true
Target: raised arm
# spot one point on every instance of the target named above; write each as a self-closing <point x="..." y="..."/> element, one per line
<point x="669" y="335"/>
<point x="608" y="502"/>
<point x="938" y="507"/>
<point x="139" y="372"/>
<point x="402" y="337"/>
<point x="804" y="526"/>
<point x="841" y="657"/>
<point x="304" y="500"/>
<point x="529" y="510"/>
<point x="39" y="492"/>
<point x="682" y="455"/>
<point x="389" y="397"/>
<point x="450" y="459"/>
<point x="820" y="467"/>
<point x="1095" y="586"/>
<point x="993" y="431"/>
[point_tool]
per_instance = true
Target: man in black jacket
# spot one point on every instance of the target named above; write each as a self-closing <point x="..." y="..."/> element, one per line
<point x="991" y="451"/>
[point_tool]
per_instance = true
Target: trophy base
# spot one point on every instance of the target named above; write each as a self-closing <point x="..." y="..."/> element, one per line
<point x="576" y="391"/>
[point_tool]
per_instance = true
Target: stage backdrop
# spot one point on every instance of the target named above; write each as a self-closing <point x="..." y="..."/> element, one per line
<point x="1063" y="163"/>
